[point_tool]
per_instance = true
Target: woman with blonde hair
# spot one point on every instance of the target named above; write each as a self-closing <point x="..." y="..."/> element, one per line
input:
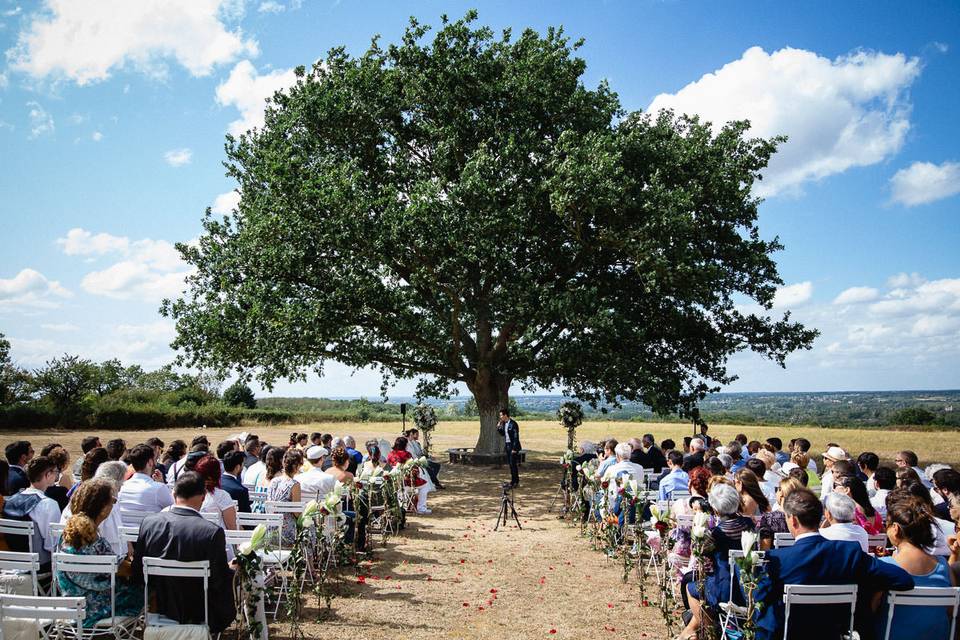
<point x="90" y="505"/>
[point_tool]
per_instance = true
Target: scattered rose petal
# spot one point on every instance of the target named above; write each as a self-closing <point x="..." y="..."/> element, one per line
<point x="553" y="630"/>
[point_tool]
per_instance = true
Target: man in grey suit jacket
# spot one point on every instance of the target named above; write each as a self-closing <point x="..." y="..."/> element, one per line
<point x="182" y="534"/>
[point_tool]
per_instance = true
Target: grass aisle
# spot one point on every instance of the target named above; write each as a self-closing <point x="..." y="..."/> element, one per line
<point x="449" y="575"/>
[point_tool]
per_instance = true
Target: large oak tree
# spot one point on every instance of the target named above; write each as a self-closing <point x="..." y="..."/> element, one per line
<point x="462" y="208"/>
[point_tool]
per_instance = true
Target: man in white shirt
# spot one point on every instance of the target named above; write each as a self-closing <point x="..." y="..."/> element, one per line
<point x="839" y="511"/>
<point x="253" y="473"/>
<point x="41" y="510"/>
<point x="908" y="458"/>
<point x="885" y="480"/>
<point x="868" y="462"/>
<point x="622" y="467"/>
<point x="831" y="455"/>
<point x="316" y="482"/>
<point x="142" y="492"/>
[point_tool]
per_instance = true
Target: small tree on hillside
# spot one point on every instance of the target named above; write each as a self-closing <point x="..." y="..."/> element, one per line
<point x="239" y="395"/>
<point x="65" y="382"/>
<point x="15" y="383"/>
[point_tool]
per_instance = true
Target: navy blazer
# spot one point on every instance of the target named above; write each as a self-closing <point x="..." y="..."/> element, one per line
<point x="513" y="429"/>
<point x="816" y="560"/>
<point x="16" y="480"/>
<point x="237" y="491"/>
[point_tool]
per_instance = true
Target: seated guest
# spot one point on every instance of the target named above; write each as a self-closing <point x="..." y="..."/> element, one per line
<point x="416" y="450"/>
<point x="216" y="500"/>
<point x="18" y="454"/>
<point x="88" y="444"/>
<point x="697" y="486"/>
<point x="942" y="529"/>
<point x="230" y="480"/>
<point x="946" y="483"/>
<point x="174" y="453"/>
<point x="253" y="474"/>
<point x="753" y="502"/>
<point x="141" y="492"/>
<point x="91" y="462"/>
<point x="908" y="460"/>
<point x="397" y="457"/>
<point x="90" y="507"/>
<point x="813" y="559"/>
<point x="830" y="457"/>
<point x="653" y="457"/>
<point x="756" y="466"/>
<point x="775" y="521"/>
<point x="356" y="457"/>
<point x="906" y="476"/>
<point x="251" y="451"/>
<point x="676" y="480"/>
<point x="33" y="504"/>
<point x="885" y="480"/>
<point x="608" y="458"/>
<point x="116" y="448"/>
<point x="781" y="455"/>
<point x="59" y="489"/>
<point x="866" y="515"/>
<point x="111" y="472"/>
<point x="721" y="539"/>
<point x="587" y="452"/>
<point x="157" y="445"/>
<point x="735" y="450"/>
<point x="225" y="447"/>
<point x="839" y="512"/>
<point x="199" y="443"/>
<point x="180" y="533"/>
<point x="909" y="530"/>
<point x="800" y="475"/>
<point x="696" y="456"/>
<point x="867" y="464"/>
<point x="284" y="488"/>
<point x="317" y="482"/>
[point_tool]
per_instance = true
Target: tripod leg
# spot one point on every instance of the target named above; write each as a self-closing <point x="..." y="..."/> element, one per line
<point x="501" y="515"/>
<point x="513" y="512"/>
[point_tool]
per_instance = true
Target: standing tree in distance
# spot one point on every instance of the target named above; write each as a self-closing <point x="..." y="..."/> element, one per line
<point x="240" y="395"/>
<point x="465" y="209"/>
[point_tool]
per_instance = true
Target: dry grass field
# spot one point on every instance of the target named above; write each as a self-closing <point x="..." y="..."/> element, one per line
<point x="449" y="575"/>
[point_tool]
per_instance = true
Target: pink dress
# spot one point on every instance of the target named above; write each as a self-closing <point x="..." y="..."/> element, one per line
<point x="873" y="526"/>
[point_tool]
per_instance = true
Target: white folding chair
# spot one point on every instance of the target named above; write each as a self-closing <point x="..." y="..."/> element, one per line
<point x="56" y="530"/>
<point x="272" y="506"/>
<point x="275" y="560"/>
<point x="113" y="626"/>
<point x="16" y="565"/>
<point x="818" y="594"/>
<point x="734" y="614"/>
<point x="877" y="541"/>
<point x="925" y="597"/>
<point x="215" y="518"/>
<point x="49" y="616"/>
<point x="680" y="495"/>
<point x="129" y="534"/>
<point x="781" y="540"/>
<point x="199" y="569"/>
<point x="18" y="528"/>
<point x="133" y="517"/>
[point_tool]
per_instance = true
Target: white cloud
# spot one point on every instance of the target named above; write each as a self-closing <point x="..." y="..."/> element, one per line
<point x="9" y="13"/>
<point x="96" y="136"/>
<point x="933" y="297"/>
<point x="855" y="295"/>
<point x="41" y="122"/>
<point x="30" y="288"/>
<point x="838" y="114"/>
<point x="4" y="81"/>
<point x="225" y="203"/>
<point x="925" y="182"/>
<point x="271" y="7"/>
<point x="80" y="242"/>
<point x="247" y="90"/>
<point x="936" y="325"/>
<point x="793" y="295"/>
<point x="902" y="280"/>
<point x="61" y="327"/>
<point x="148" y="269"/>
<point x="145" y="344"/>
<point x="178" y="157"/>
<point x="84" y="40"/>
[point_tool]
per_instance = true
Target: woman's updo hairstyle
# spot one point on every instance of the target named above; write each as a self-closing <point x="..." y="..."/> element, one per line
<point x="274" y="462"/>
<point x="339" y="456"/>
<point x="86" y="505"/>
<point x="292" y="461"/>
<point x="912" y="515"/>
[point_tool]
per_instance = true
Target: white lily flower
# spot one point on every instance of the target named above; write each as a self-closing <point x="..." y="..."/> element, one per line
<point x="748" y="540"/>
<point x="700" y="519"/>
<point x="698" y="533"/>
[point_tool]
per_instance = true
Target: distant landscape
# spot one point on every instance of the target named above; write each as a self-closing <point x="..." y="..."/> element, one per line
<point x="843" y="408"/>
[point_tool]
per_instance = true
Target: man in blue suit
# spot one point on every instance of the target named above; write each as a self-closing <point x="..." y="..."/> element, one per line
<point x="814" y="560"/>
<point x="230" y="480"/>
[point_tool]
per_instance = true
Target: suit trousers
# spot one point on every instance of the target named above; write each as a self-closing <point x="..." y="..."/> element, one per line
<point x="513" y="457"/>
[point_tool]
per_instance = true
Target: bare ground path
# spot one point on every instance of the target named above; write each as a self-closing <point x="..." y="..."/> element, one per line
<point x="449" y="575"/>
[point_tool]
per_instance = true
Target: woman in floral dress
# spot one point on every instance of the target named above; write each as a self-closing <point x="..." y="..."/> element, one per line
<point x="90" y="505"/>
<point x="283" y="488"/>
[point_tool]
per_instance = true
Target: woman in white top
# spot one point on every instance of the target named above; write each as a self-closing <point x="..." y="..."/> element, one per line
<point x="216" y="500"/>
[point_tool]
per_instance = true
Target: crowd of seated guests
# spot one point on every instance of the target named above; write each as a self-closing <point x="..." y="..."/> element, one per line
<point x="830" y="510"/>
<point x="164" y="489"/>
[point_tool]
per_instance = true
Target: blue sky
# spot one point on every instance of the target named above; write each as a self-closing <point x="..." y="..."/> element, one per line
<point x="113" y="116"/>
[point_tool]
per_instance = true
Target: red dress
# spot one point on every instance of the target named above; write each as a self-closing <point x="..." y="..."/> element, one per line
<point x="397" y="458"/>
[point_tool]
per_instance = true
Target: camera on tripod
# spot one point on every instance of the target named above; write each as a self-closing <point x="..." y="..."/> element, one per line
<point x="505" y="487"/>
<point x="506" y="506"/>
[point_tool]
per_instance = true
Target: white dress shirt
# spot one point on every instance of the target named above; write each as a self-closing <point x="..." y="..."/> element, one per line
<point x="847" y="531"/>
<point x="253" y="473"/>
<point x="143" y="493"/>
<point x="879" y="502"/>
<point x="109" y="529"/>
<point x="43" y="515"/>
<point x="175" y="470"/>
<point x="315" y="481"/>
<point x="826" y="484"/>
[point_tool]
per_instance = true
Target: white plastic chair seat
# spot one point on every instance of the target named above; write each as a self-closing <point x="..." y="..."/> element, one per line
<point x="120" y="621"/>
<point x="160" y="620"/>
<point x="275" y="556"/>
<point x="734" y="609"/>
<point x="176" y="632"/>
<point x="16" y="583"/>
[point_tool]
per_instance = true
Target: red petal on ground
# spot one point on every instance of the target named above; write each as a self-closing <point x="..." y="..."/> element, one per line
<point x="493" y="590"/>
<point x="466" y="604"/>
<point x="553" y="630"/>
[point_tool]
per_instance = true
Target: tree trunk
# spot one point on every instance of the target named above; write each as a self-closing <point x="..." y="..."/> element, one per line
<point x="491" y="395"/>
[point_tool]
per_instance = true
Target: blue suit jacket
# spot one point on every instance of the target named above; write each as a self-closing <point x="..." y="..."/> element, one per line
<point x="816" y="560"/>
<point x="16" y="481"/>
<point x="237" y="491"/>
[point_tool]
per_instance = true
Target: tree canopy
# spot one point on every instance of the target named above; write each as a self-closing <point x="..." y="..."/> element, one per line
<point x="462" y="208"/>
